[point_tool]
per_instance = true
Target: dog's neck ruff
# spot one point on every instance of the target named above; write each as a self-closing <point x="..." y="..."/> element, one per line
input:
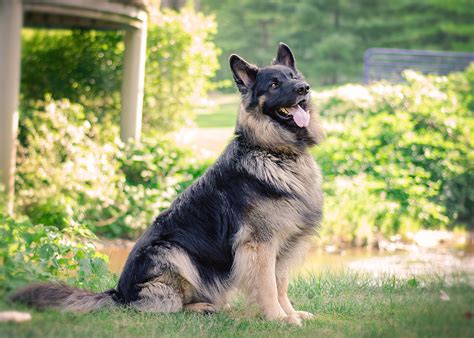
<point x="244" y="143"/>
<point x="283" y="151"/>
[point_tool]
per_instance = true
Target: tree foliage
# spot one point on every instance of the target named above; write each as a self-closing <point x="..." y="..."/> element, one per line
<point x="329" y="37"/>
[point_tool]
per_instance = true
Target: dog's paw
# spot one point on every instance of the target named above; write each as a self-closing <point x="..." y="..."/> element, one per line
<point x="304" y="315"/>
<point x="292" y="319"/>
<point x="205" y="308"/>
<point x="281" y="316"/>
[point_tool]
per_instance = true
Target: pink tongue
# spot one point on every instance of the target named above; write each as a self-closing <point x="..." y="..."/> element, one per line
<point x="300" y="116"/>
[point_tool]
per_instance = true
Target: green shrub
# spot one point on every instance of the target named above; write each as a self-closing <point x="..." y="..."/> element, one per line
<point x="412" y="142"/>
<point x="34" y="252"/>
<point x="155" y="172"/>
<point x="181" y="60"/>
<point x="86" y="67"/>
<point x="82" y="66"/>
<point x="354" y="214"/>
<point x="63" y="172"/>
<point x="67" y="173"/>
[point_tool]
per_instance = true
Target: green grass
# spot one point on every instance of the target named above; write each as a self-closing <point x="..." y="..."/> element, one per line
<point x="346" y="305"/>
<point x="222" y="115"/>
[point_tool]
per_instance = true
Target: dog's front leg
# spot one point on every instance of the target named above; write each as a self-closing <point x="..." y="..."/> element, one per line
<point x="266" y="286"/>
<point x="282" y="286"/>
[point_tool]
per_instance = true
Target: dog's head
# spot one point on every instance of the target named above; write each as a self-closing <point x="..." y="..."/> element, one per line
<point x="276" y="109"/>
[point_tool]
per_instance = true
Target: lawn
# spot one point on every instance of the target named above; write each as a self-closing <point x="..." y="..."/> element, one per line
<point x="222" y="115"/>
<point x="347" y="305"/>
<point x="215" y="126"/>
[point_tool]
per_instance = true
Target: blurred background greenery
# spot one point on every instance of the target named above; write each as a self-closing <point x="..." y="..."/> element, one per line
<point x="329" y="37"/>
<point x="398" y="157"/>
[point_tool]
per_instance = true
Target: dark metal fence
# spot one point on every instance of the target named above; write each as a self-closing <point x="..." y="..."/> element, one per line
<point x="388" y="64"/>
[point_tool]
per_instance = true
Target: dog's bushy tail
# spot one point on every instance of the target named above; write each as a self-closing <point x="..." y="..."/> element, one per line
<point x="63" y="297"/>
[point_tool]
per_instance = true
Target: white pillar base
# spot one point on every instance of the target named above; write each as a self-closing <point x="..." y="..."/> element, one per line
<point x="11" y="21"/>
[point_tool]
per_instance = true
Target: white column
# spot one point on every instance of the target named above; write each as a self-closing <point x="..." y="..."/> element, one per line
<point x="11" y="20"/>
<point x="133" y="83"/>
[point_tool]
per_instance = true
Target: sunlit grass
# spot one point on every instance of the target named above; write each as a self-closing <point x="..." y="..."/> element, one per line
<point x="222" y="115"/>
<point x="346" y="304"/>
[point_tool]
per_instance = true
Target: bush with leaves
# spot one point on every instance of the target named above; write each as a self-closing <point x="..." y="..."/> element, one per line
<point x="86" y="67"/>
<point x="34" y="252"/>
<point x="63" y="172"/>
<point x="67" y="173"/>
<point x="354" y="214"/>
<point x="412" y="142"/>
<point x="181" y="60"/>
<point x="155" y="172"/>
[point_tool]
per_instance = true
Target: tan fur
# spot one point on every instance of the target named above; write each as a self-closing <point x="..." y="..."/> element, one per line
<point x="158" y="296"/>
<point x="255" y="272"/>
<point x="244" y="267"/>
<point x="86" y="303"/>
<point x="301" y="176"/>
<point x="200" y="307"/>
<point x="282" y="287"/>
<point x="259" y="266"/>
<point x="185" y="267"/>
<point x="217" y="293"/>
<point x="281" y="219"/>
<point x="263" y="131"/>
<point x="62" y="297"/>
<point x="282" y="272"/>
<point x="265" y="286"/>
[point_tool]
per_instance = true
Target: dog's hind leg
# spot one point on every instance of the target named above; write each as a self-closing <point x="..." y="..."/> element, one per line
<point x="156" y="296"/>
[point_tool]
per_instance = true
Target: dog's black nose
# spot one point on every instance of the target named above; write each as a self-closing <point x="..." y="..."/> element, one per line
<point x="302" y="88"/>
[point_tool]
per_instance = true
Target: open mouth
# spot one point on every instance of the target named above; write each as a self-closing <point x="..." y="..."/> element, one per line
<point x="298" y="114"/>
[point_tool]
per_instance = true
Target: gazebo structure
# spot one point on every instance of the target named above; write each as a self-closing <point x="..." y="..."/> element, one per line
<point x="127" y="15"/>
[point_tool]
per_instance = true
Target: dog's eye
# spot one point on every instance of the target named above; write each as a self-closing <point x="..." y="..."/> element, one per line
<point x="275" y="84"/>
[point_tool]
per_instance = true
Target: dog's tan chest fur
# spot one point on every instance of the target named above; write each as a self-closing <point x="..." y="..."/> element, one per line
<point x="283" y="222"/>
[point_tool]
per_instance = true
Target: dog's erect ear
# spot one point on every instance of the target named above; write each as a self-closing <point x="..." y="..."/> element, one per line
<point x="284" y="56"/>
<point x="244" y="73"/>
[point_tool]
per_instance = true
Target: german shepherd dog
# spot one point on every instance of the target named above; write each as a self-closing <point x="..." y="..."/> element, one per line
<point x="241" y="225"/>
